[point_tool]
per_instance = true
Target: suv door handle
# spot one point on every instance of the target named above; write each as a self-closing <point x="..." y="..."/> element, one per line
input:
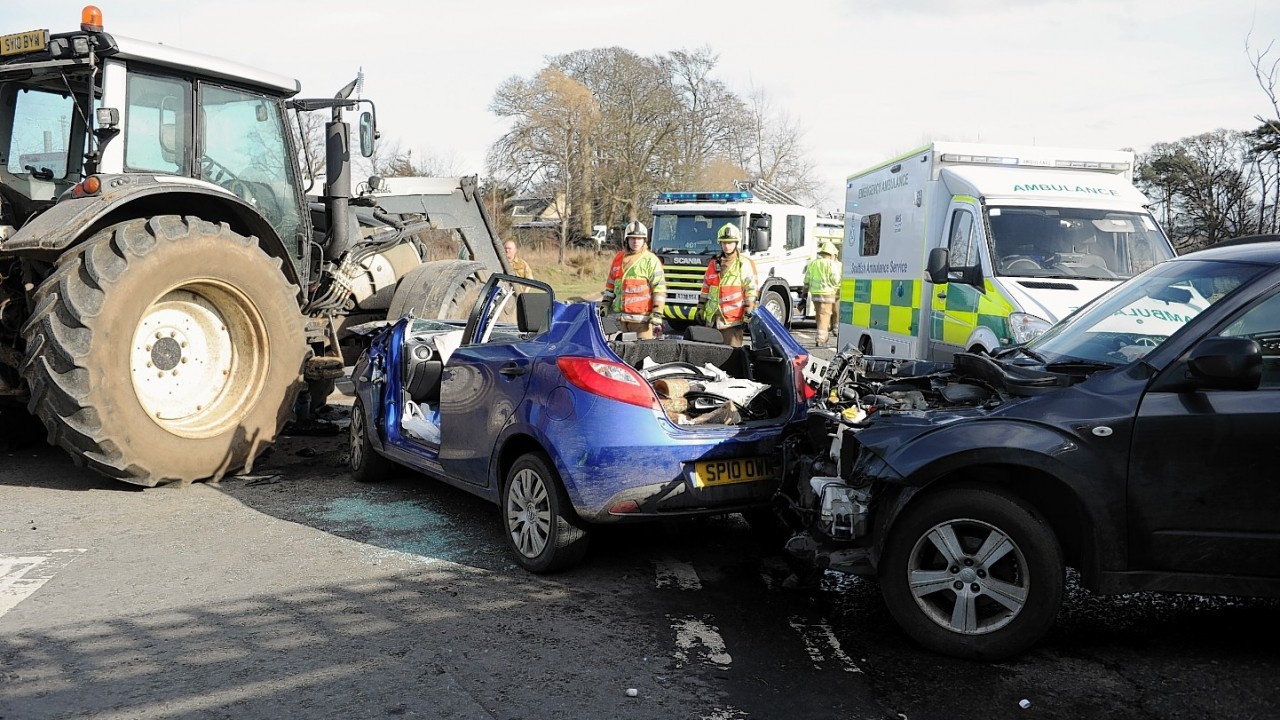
<point x="512" y="371"/>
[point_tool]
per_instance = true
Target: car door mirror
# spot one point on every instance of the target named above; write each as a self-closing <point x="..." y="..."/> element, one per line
<point x="936" y="267"/>
<point x="1226" y="363"/>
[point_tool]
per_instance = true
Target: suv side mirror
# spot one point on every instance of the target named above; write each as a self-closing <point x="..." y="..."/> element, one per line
<point x="1226" y="363"/>
<point x="368" y="133"/>
<point x="936" y="266"/>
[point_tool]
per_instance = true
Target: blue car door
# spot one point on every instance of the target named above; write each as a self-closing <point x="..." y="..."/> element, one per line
<point x="484" y="383"/>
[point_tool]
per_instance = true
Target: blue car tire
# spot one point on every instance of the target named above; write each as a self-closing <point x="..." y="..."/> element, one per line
<point x="365" y="463"/>
<point x="537" y="519"/>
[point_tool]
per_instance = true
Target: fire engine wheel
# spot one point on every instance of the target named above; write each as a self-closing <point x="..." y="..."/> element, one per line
<point x="972" y="572"/>
<point x="776" y="305"/>
<point x="164" y="350"/>
<point x="540" y="524"/>
<point x="442" y="289"/>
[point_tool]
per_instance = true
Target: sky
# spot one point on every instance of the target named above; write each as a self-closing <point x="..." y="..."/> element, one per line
<point x="865" y="81"/>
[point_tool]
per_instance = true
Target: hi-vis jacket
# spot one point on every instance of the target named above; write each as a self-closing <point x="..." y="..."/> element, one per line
<point x="636" y="287"/>
<point x="822" y="276"/>
<point x="728" y="291"/>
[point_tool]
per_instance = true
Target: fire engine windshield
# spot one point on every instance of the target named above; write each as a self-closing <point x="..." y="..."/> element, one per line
<point x="690" y="233"/>
<point x="1082" y="243"/>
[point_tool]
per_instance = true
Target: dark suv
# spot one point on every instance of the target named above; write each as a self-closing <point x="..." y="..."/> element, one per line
<point x="1132" y="441"/>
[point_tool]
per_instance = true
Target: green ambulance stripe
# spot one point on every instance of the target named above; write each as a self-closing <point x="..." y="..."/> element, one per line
<point x="886" y="305"/>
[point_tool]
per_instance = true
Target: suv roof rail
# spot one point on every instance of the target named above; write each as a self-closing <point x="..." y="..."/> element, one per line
<point x="1245" y="240"/>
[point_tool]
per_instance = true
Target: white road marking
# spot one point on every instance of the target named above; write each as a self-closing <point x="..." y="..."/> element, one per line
<point x="726" y="713"/>
<point x="698" y="640"/>
<point x="22" y="575"/>
<point x="820" y="640"/>
<point x="675" y="574"/>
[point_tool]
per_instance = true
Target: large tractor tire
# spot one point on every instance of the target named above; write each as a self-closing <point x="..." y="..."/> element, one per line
<point x="164" y="350"/>
<point x="442" y="289"/>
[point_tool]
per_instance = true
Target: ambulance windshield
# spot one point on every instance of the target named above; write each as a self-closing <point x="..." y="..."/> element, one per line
<point x="1080" y="243"/>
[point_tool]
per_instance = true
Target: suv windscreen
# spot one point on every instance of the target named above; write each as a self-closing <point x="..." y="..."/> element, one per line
<point x="1139" y="315"/>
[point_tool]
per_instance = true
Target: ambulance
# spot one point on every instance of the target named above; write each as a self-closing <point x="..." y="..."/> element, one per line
<point x="961" y="247"/>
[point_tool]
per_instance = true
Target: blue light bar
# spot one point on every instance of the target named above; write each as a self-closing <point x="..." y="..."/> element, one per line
<point x="724" y="197"/>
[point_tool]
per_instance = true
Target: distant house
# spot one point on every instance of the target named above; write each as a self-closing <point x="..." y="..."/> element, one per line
<point x="530" y="212"/>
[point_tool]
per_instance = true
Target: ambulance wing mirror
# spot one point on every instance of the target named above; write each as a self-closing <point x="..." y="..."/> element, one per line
<point x="936" y="267"/>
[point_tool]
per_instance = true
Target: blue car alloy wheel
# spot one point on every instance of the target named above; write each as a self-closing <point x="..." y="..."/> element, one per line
<point x="539" y="522"/>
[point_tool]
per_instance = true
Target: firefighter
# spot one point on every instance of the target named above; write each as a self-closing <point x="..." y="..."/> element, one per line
<point x="822" y="279"/>
<point x="636" y="290"/>
<point x="728" y="288"/>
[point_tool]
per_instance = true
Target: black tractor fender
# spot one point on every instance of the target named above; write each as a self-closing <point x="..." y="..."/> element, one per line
<point x="126" y="197"/>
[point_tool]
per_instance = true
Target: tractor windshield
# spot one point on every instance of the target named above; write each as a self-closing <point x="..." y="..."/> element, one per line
<point x="43" y="114"/>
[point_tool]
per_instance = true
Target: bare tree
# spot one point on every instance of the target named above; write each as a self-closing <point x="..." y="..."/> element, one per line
<point x="709" y="123"/>
<point x="770" y="145"/>
<point x="1208" y="184"/>
<point x="655" y="123"/>
<point x="1266" y="138"/>
<point x="555" y="116"/>
<point x="639" y="114"/>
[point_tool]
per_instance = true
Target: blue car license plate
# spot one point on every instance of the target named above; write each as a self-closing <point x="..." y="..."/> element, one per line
<point x="710" y="473"/>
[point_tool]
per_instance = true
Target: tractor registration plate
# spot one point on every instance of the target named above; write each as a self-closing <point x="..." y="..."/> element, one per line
<point x="727" y="472"/>
<point x="24" y="42"/>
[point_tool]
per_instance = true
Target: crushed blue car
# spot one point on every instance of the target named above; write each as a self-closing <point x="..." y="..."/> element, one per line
<point x="534" y="404"/>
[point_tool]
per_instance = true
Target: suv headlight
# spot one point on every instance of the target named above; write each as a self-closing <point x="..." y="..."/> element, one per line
<point x="1024" y="327"/>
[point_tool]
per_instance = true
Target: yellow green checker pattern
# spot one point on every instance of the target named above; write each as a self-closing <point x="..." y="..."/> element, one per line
<point x="972" y="308"/>
<point x="894" y="306"/>
<point x="885" y="305"/>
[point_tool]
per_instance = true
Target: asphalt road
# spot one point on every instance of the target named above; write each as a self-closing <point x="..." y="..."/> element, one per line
<point x="296" y="592"/>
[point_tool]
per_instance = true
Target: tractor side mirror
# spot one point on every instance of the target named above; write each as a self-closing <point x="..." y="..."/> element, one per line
<point x="368" y="133"/>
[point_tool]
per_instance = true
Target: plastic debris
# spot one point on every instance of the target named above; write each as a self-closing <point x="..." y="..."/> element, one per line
<point x="632" y="692"/>
<point x="1024" y="703"/>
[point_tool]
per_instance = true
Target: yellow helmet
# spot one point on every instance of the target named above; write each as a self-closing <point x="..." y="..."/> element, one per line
<point x="826" y="248"/>
<point x="729" y="233"/>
